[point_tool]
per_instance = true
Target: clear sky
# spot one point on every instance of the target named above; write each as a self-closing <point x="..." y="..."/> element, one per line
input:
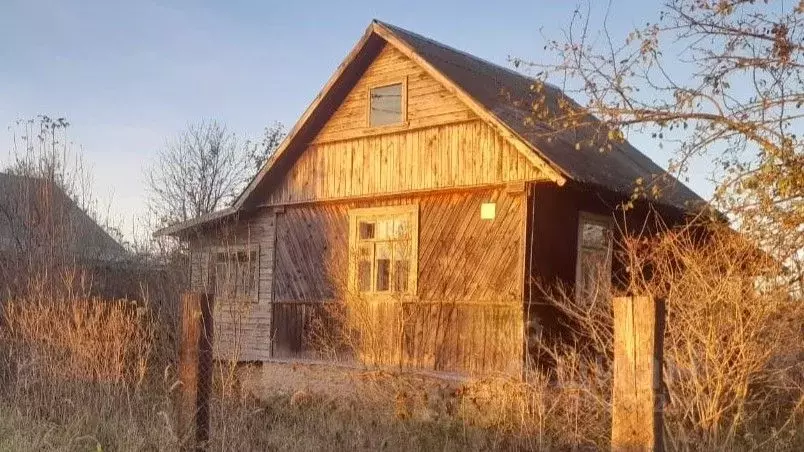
<point x="128" y="75"/>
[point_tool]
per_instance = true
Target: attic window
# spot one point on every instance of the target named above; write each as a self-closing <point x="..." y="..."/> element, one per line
<point x="387" y="105"/>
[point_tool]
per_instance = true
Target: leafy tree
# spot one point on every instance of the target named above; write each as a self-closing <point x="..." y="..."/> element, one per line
<point x="716" y="80"/>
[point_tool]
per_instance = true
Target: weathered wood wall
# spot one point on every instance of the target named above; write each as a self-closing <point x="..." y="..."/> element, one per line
<point x="442" y="144"/>
<point x="469" y="281"/>
<point x="461" y="337"/>
<point x="242" y="328"/>
<point x="429" y="102"/>
<point x="467" y="315"/>
<point x="466" y="154"/>
<point x="552" y="245"/>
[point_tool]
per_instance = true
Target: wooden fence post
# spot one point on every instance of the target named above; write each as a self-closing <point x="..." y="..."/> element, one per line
<point x="195" y="369"/>
<point x="637" y="391"/>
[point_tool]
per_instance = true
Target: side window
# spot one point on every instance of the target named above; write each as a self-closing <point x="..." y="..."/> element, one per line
<point x="593" y="269"/>
<point x="236" y="272"/>
<point x="387" y="105"/>
<point x="383" y="250"/>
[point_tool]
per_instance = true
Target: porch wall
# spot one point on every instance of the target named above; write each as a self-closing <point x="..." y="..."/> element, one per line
<point x="552" y="246"/>
<point x="242" y="329"/>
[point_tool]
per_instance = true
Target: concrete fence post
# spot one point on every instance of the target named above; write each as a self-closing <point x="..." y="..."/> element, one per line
<point x="637" y="391"/>
<point x="195" y="369"/>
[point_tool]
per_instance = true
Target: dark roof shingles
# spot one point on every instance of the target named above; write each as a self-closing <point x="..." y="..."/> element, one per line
<point x="509" y="95"/>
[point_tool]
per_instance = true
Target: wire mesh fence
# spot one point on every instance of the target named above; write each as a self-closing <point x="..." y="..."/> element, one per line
<point x="195" y="369"/>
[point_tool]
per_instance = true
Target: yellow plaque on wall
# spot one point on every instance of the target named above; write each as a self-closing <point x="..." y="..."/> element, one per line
<point x="488" y="210"/>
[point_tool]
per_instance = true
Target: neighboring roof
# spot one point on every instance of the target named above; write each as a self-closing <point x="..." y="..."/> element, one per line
<point x="500" y="96"/>
<point x="197" y="221"/>
<point x="34" y="212"/>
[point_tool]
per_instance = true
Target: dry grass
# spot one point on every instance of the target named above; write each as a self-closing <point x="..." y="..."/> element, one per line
<point x="734" y="345"/>
<point x="80" y="373"/>
<point x="81" y="339"/>
<point x="403" y="411"/>
<point x="72" y="385"/>
<point x="734" y="342"/>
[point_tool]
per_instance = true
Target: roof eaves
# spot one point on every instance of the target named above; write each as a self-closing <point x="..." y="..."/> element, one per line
<point x="308" y="113"/>
<point x="179" y="228"/>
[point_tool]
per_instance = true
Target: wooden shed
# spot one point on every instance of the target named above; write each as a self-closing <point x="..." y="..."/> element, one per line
<point x="418" y="188"/>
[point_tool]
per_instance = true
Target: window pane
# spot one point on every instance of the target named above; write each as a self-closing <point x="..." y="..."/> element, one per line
<point x="595" y="275"/>
<point x="383" y="267"/>
<point x="382" y="257"/>
<point x="251" y="274"/>
<point x="401" y="275"/>
<point x="364" y="268"/>
<point x="385" y="229"/>
<point x="242" y="280"/>
<point x="401" y="228"/>
<point x="236" y="274"/>
<point x="593" y="280"/>
<point x="220" y="277"/>
<point x="250" y="283"/>
<point x="401" y="267"/>
<point x="385" y="105"/>
<point x="595" y="235"/>
<point x="366" y="230"/>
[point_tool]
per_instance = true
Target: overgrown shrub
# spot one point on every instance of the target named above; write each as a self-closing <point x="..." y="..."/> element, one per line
<point x="734" y="345"/>
<point x="734" y="341"/>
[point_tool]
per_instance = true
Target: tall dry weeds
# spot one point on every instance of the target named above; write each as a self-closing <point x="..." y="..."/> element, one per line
<point x="80" y="372"/>
<point x="734" y="341"/>
<point x="85" y="339"/>
<point x="734" y="345"/>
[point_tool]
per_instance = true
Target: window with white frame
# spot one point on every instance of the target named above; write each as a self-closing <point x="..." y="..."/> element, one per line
<point x="383" y="250"/>
<point x="236" y="273"/>
<point x="593" y="269"/>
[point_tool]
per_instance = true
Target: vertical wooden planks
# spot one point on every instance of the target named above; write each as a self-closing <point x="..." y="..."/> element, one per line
<point x="428" y="101"/>
<point x="636" y="393"/>
<point x="466" y="154"/>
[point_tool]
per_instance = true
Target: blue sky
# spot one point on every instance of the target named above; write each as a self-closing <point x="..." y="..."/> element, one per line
<point x="128" y="75"/>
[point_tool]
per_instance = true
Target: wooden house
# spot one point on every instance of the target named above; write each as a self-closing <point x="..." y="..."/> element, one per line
<point x="418" y="183"/>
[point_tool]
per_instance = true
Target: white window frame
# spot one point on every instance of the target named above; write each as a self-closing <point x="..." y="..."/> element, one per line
<point x="214" y="252"/>
<point x="356" y="216"/>
<point x="403" y="118"/>
<point x="600" y="220"/>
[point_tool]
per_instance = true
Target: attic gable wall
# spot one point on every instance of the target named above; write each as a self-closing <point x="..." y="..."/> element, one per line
<point x="443" y="144"/>
<point x="429" y="103"/>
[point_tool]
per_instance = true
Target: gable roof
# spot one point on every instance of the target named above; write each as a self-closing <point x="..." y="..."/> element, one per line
<point x="33" y="210"/>
<point x="509" y="95"/>
<point x="500" y="96"/>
